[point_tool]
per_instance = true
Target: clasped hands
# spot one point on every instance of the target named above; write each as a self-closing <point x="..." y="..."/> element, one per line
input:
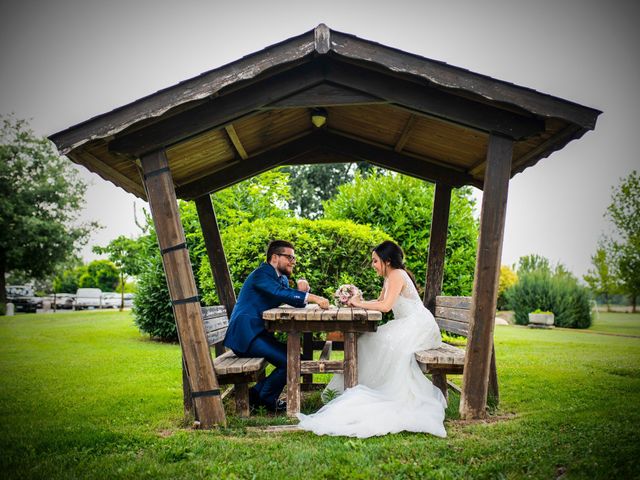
<point x="322" y="302"/>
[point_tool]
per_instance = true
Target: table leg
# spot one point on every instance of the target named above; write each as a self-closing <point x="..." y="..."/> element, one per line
<point x="293" y="374"/>
<point x="350" y="359"/>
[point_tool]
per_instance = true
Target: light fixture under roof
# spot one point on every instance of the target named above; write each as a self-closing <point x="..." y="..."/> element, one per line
<point x="318" y="117"/>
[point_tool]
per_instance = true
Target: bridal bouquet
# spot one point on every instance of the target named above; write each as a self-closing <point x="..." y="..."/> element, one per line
<point x="346" y="292"/>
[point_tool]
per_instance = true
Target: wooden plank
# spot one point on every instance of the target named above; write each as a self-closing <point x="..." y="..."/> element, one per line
<point x="435" y="102"/>
<point x="241" y="170"/>
<point x="217" y="112"/>
<point x="345" y="314"/>
<point x="215" y="338"/>
<point x="485" y="289"/>
<point x="316" y="366"/>
<point x="457" y="314"/>
<point x="439" y="73"/>
<point x="444" y="355"/>
<point x="454" y="302"/>
<point x="326" y="95"/>
<point x="406" y="132"/>
<point x="320" y="326"/>
<point x="293" y="374"/>
<point x="214" y="311"/>
<point x="181" y="284"/>
<point x="254" y="364"/>
<point x="235" y="141"/>
<point x="437" y="245"/>
<point x="415" y="166"/>
<point x="459" y="328"/>
<point x="215" y="253"/>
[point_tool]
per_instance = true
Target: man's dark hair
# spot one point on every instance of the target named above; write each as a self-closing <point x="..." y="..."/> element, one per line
<point x="277" y="246"/>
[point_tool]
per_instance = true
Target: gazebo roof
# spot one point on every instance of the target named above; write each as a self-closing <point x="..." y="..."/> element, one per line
<point x="391" y="108"/>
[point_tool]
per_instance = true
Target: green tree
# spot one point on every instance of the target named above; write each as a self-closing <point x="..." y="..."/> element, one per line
<point x="402" y="206"/>
<point x="101" y="274"/>
<point x="40" y="199"/>
<point x="125" y="253"/>
<point x="533" y="263"/>
<point x="624" y="212"/>
<point x="262" y="196"/>
<point x="602" y="278"/>
<point x="315" y="183"/>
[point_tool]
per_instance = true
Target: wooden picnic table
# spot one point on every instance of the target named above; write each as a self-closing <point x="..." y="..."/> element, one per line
<point x="295" y="321"/>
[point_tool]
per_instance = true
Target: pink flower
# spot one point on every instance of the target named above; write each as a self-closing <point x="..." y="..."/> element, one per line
<point x="346" y="292"/>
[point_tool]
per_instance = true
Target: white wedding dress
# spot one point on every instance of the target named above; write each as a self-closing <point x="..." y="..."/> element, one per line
<point x="392" y="394"/>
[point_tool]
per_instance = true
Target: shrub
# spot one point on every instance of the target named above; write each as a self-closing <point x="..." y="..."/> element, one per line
<point x="560" y="294"/>
<point x="152" y="310"/>
<point x="330" y="253"/>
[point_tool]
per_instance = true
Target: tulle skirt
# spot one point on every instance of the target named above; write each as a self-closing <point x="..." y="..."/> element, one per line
<point x="393" y="395"/>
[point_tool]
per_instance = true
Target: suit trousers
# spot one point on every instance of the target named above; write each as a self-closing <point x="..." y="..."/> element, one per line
<point x="265" y="345"/>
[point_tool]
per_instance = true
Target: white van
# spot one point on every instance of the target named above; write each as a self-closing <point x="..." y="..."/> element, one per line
<point x="88" y="298"/>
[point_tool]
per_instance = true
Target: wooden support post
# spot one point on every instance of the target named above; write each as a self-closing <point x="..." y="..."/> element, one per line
<point x="217" y="258"/>
<point x="293" y="373"/>
<point x="307" y="354"/>
<point x="439" y="379"/>
<point x="485" y="286"/>
<point x="350" y="359"/>
<point x="437" y="245"/>
<point x="182" y="290"/>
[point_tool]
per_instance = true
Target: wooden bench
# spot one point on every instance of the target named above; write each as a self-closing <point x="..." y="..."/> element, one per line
<point x="452" y="315"/>
<point x="230" y="369"/>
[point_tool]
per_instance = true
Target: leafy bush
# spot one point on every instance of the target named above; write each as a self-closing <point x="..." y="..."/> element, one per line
<point x="152" y="310"/>
<point x="402" y="206"/>
<point x="560" y="294"/>
<point x="330" y="253"/>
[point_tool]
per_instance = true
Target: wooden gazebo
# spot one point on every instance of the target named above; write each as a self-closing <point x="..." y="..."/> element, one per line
<point x="403" y="112"/>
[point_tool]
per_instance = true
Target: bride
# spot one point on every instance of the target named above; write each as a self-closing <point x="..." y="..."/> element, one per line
<point x="393" y="394"/>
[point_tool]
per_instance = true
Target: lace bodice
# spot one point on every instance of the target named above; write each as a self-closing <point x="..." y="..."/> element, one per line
<point x="408" y="300"/>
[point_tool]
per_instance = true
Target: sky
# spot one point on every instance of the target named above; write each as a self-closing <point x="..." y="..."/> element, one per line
<point x="65" y="61"/>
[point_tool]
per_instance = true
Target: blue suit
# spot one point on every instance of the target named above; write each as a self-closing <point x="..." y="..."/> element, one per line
<point x="246" y="335"/>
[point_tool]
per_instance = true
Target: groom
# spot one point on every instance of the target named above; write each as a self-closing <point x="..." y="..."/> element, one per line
<point x="267" y="287"/>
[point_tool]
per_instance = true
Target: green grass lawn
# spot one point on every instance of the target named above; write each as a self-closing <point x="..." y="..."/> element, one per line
<point x="84" y="395"/>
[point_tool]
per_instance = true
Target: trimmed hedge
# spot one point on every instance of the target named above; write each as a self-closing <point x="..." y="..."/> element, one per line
<point x="562" y="295"/>
<point x="329" y="252"/>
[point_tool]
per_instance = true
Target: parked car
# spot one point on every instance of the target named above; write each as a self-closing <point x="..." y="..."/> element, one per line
<point x="23" y="298"/>
<point x="64" y="301"/>
<point x="128" y="300"/>
<point x="111" y="300"/>
<point x="88" y="298"/>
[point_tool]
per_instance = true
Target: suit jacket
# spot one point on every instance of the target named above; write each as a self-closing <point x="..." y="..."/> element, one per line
<point x="262" y="290"/>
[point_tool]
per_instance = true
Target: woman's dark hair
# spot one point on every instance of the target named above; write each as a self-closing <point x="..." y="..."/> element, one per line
<point x="391" y="252"/>
<point x="277" y="246"/>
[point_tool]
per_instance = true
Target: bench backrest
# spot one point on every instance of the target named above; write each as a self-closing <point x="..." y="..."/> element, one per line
<point x="216" y="322"/>
<point x="453" y="314"/>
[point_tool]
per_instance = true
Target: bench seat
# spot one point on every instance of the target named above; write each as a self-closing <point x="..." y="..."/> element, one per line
<point x="231" y="369"/>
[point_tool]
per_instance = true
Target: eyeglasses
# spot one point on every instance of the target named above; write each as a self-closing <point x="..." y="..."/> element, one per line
<point x="291" y="258"/>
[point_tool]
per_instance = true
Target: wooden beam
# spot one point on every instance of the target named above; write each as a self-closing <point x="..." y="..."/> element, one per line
<point x="217" y="112"/>
<point x="182" y="290"/>
<point x="437" y="245"/>
<point x="435" y="102"/>
<point x="439" y="73"/>
<point x="326" y="95"/>
<point x="241" y="170"/>
<point x="406" y="132"/>
<point x="217" y="257"/>
<point x="399" y="162"/>
<point x="235" y="140"/>
<point x="485" y="286"/>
